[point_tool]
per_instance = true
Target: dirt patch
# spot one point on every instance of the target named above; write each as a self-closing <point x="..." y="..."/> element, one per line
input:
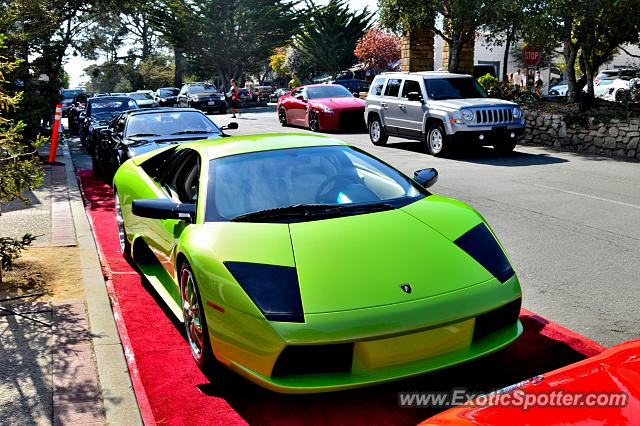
<point x="54" y="271"/>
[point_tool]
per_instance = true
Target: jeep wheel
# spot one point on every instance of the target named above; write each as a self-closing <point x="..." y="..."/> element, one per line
<point x="377" y="134"/>
<point x="436" y="140"/>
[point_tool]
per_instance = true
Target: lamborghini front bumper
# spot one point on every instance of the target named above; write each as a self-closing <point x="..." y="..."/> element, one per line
<point x="349" y="349"/>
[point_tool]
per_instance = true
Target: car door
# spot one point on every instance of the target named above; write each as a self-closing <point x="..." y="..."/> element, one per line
<point x="180" y="183"/>
<point x="391" y="104"/>
<point x="411" y="113"/>
<point x="296" y="106"/>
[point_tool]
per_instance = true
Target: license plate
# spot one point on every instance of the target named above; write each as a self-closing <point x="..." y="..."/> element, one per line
<point x="211" y="103"/>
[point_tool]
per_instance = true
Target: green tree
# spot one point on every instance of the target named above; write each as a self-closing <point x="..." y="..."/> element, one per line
<point x="295" y="61"/>
<point x="227" y="38"/>
<point x="457" y="20"/>
<point x="20" y="168"/>
<point x="156" y="71"/>
<point x="330" y="37"/>
<point x="277" y="62"/>
<point x="589" y="32"/>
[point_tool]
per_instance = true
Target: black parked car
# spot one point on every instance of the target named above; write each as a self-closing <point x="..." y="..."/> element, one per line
<point x="136" y="132"/>
<point x="98" y="114"/>
<point x="167" y="96"/>
<point x="359" y="88"/>
<point x="202" y="96"/>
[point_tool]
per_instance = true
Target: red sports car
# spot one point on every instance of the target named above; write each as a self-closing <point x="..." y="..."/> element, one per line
<point x="604" y="389"/>
<point x="321" y="107"/>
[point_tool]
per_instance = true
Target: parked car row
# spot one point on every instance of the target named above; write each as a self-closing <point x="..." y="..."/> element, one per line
<point x="618" y="85"/>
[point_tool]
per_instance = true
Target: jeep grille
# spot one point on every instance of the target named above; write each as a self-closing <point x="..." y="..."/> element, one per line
<point x="494" y="115"/>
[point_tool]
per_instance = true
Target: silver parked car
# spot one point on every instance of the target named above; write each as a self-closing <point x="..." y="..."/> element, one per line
<point x="440" y="109"/>
<point x="143" y="99"/>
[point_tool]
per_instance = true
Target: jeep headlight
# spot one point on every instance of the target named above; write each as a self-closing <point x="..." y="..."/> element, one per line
<point x="325" y="108"/>
<point x="467" y="115"/>
<point x="517" y="113"/>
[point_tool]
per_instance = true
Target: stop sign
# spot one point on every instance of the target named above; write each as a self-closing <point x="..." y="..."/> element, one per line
<point x="530" y="56"/>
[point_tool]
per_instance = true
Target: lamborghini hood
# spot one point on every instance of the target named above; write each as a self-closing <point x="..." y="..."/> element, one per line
<point x="363" y="261"/>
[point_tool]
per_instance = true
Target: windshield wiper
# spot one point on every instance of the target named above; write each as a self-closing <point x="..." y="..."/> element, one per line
<point x="309" y="211"/>
<point x="192" y="131"/>
<point x="141" y="134"/>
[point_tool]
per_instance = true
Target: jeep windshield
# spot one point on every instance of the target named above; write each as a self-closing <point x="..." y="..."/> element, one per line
<point x="439" y="89"/>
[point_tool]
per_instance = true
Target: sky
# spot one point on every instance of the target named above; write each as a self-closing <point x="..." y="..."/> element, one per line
<point x="75" y="64"/>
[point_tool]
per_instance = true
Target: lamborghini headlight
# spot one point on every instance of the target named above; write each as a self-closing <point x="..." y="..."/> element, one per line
<point x="274" y="289"/>
<point x="480" y="244"/>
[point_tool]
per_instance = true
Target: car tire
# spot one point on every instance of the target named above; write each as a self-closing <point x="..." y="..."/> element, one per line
<point x="125" y="245"/>
<point x="282" y="117"/>
<point x="195" y="322"/>
<point x="622" y="95"/>
<point x="436" y="140"/>
<point x="377" y="133"/>
<point x="314" y="121"/>
<point x="504" y="147"/>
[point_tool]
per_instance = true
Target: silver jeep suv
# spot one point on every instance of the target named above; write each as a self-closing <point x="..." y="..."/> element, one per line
<point x="440" y="109"/>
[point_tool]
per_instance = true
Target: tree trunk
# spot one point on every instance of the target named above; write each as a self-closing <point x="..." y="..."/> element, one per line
<point x="505" y="57"/>
<point x="455" y="50"/>
<point x="146" y="49"/>
<point x="177" y="73"/>
<point x="588" y="71"/>
<point x="570" y="53"/>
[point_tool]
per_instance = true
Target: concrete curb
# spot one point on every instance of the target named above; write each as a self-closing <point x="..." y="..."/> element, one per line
<point x="120" y="403"/>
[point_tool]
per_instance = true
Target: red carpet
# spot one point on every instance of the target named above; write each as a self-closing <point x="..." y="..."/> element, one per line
<point x="172" y="390"/>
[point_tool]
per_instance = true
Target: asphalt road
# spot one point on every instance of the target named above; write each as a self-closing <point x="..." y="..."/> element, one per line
<point x="569" y="222"/>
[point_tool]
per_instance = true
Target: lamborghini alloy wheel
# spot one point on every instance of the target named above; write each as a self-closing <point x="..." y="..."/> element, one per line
<point x="125" y="246"/>
<point x="194" y="320"/>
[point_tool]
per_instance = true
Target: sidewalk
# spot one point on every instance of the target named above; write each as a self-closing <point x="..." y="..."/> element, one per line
<point x="74" y="371"/>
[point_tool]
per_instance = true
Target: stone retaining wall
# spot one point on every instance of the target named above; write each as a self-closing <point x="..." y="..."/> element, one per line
<point x="617" y="138"/>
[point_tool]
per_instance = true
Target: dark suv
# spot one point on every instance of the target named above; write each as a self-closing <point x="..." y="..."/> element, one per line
<point x="359" y="88"/>
<point x="202" y="96"/>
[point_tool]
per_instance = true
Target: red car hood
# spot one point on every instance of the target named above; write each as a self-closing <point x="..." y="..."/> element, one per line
<point x="339" y="103"/>
<point x="616" y="370"/>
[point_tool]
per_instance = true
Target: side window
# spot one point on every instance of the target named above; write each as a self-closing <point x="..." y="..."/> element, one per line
<point x="393" y="87"/>
<point x="376" y="87"/>
<point x="182" y="180"/>
<point x="297" y="93"/>
<point x="409" y="87"/>
<point x="156" y="165"/>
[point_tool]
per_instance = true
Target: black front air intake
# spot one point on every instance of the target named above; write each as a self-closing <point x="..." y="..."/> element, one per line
<point x="274" y="289"/>
<point x="504" y="316"/>
<point x="480" y="244"/>
<point x="314" y="359"/>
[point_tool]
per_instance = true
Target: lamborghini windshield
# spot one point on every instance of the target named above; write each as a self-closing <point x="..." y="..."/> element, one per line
<point x="303" y="183"/>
